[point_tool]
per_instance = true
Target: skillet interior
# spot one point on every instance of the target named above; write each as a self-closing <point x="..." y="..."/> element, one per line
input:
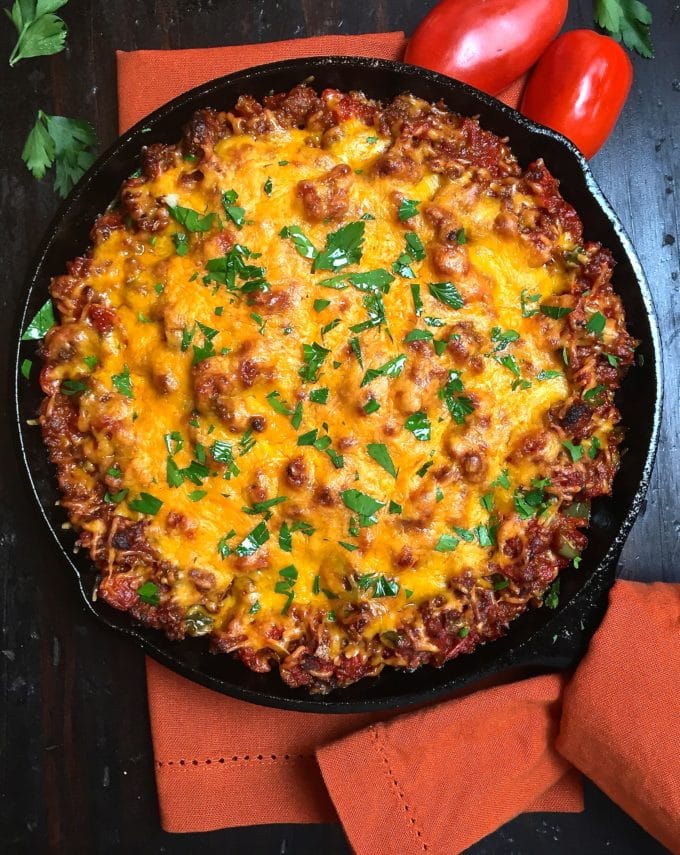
<point x="528" y="646"/>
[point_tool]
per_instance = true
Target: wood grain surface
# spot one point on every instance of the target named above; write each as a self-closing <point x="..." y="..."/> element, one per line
<point x="76" y="770"/>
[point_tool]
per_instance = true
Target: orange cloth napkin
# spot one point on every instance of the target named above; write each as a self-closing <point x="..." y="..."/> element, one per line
<point x="222" y="762"/>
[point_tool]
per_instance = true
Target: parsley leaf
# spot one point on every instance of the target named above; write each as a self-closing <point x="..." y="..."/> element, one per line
<point x="343" y="247"/>
<point x="596" y="323"/>
<point x="555" y="312"/>
<point x="257" y="537"/>
<point x="190" y="219"/>
<point x="314" y="356"/>
<point x="417" y="302"/>
<point x="41" y="33"/>
<point x="64" y="143"/>
<point x="319" y="396"/>
<point x="446" y="543"/>
<point x="552" y="595"/>
<point x="26" y="365"/>
<point x="41" y="324"/>
<point x="378" y="451"/>
<point x="235" y="213"/>
<point x="576" y="451"/>
<point x="458" y="405"/>
<point x="148" y="593"/>
<point x="419" y="425"/>
<point x="268" y="187"/>
<point x="392" y="368"/>
<point x="361" y="503"/>
<point x="548" y="374"/>
<point x="146" y="504"/>
<point x="627" y="21"/>
<point x="408" y="209"/>
<point x="123" y="383"/>
<point x="447" y="293"/>
<point x="525" y="299"/>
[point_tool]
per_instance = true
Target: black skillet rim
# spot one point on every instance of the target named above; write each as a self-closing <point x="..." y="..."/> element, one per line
<point x="533" y="653"/>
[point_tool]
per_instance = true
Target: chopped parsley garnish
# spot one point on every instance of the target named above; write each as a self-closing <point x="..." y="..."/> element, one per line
<point x="350" y="547"/>
<point x="446" y="543"/>
<point x="414" y="251"/>
<point x="463" y="632"/>
<point x="263" y="507"/>
<point x="464" y="534"/>
<point x="595" y="446"/>
<point x="252" y="542"/>
<point x="373" y="303"/>
<point x="320" y="305"/>
<point x="123" y="383"/>
<point x="408" y="209"/>
<point x="500" y="583"/>
<point x="207" y="349"/>
<point x="419" y="335"/>
<point x="181" y="242"/>
<point x="458" y="405"/>
<point x="417" y="302"/>
<point x="42" y="323"/>
<point x="612" y="360"/>
<point x="313" y="356"/>
<point x="596" y="323"/>
<point x="268" y="187"/>
<point x="503" y="338"/>
<point x="173" y="474"/>
<point x="343" y="247"/>
<point x="301" y="242"/>
<point x="73" y="387"/>
<point x="527" y="301"/>
<point x="247" y="442"/>
<point x="176" y="438"/>
<point x="486" y="535"/>
<point x="552" y="595"/>
<point x="197" y="495"/>
<point x="371" y="140"/>
<point x="286" y="532"/>
<point x="393" y="368"/>
<point x="191" y="220"/>
<point x="423" y="469"/>
<point x="378" y="451"/>
<point x="576" y="451"/>
<point x="461" y="237"/>
<point x="90" y="361"/>
<point x="439" y="346"/>
<point x="235" y="213"/>
<point x="381" y="585"/>
<point x="286" y="585"/>
<point x="555" y="312"/>
<point x="362" y="504"/>
<point x="255" y="608"/>
<point x="447" y="293"/>
<point x="534" y="502"/>
<point x="486" y="501"/>
<point x="356" y="348"/>
<point x="148" y="593"/>
<point x="591" y="395"/>
<point x="223" y="548"/>
<point x="330" y="326"/>
<point x="548" y="374"/>
<point x="510" y="363"/>
<point x="419" y="425"/>
<point x="228" y="268"/>
<point x="319" y="396"/>
<point x="115" y="498"/>
<point x="222" y="452"/>
<point x="503" y="480"/>
<point x="260" y="321"/>
<point x="371" y="406"/>
<point x="146" y="504"/>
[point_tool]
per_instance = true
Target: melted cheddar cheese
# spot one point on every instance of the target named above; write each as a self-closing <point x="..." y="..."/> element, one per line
<point x="311" y="403"/>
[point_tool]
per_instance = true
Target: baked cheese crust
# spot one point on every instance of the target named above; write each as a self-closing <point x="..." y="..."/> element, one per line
<point x="334" y="386"/>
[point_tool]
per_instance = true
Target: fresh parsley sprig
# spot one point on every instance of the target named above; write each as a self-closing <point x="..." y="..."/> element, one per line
<point x="41" y="32"/>
<point x="63" y="143"/>
<point x="627" y="21"/>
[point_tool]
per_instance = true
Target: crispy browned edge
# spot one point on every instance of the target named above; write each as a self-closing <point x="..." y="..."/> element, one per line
<point x="445" y="142"/>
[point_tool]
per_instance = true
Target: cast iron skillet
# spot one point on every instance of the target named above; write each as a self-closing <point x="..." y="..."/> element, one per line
<point x="529" y="646"/>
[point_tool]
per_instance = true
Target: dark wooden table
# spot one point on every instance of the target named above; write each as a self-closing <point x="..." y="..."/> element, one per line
<point x="77" y="772"/>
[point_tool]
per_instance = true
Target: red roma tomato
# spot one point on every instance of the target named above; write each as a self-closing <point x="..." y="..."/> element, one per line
<point x="486" y="43"/>
<point x="579" y="88"/>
